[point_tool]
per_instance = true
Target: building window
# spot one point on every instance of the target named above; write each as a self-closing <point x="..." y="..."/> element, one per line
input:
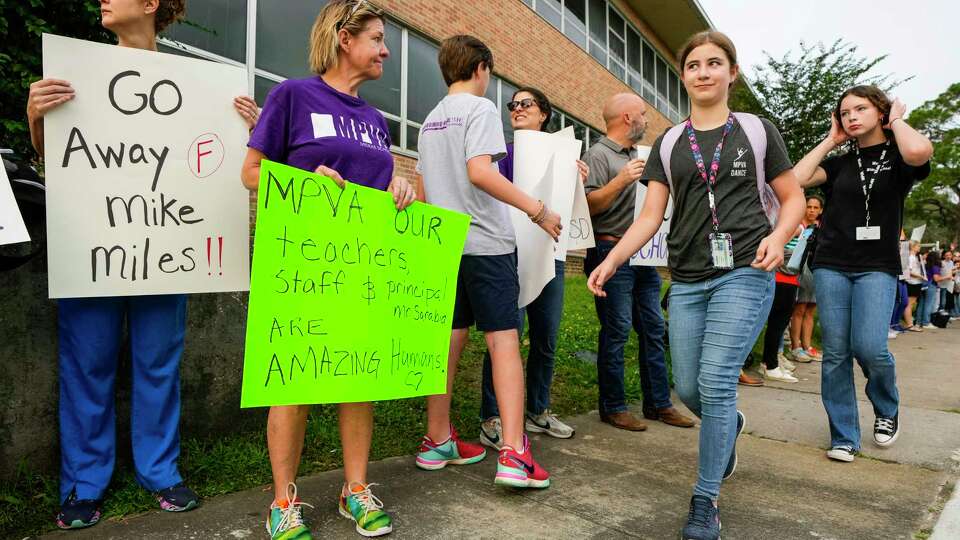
<point x="597" y="27"/>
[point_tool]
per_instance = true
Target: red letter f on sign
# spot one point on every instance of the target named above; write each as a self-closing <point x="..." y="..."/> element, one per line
<point x="201" y="154"/>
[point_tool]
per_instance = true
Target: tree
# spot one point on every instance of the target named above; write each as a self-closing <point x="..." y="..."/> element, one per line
<point x="798" y="94"/>
<point x="21" y="24"/>
<point x="936" y="200"/>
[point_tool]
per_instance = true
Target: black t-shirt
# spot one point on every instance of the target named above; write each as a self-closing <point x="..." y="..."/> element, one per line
<point x="844" y="211"/>
<point x="738" y="201"/>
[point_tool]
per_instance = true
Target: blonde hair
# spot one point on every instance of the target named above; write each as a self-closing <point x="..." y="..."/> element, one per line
<point x="349" y="15"/>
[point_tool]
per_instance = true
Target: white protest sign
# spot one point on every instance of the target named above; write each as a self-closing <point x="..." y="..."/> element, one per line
<point x="143" y="173"/>
<point x="654" y="252"/>
<point x="580" y="229"/>
<point x="545" y="167"/>
<point x="12" y="228"/>
<point x="917" y="234"/>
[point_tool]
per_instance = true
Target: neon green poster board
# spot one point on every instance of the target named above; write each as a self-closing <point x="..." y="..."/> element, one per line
<point x="350" y="300"/>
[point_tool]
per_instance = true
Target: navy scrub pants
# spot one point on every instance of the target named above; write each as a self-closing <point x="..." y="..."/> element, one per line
<point x="90" y="334"/>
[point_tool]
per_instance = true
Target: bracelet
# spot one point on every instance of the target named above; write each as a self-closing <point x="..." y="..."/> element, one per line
<point x="533" y="217"/>
<point x="540" y="215"/>
<point x="895" y="119"/>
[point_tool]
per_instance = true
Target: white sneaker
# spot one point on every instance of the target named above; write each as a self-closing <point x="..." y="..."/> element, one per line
<point x="786" y="364"/>
<point x="779" y="374"/>
<point x="892" y="334"/>
<point x="548" y="423"/>
<point x="800" y="355"/>
<point x="491" y="433"/>
<point x="841" y="453"/>
<point x="928" y="325"/>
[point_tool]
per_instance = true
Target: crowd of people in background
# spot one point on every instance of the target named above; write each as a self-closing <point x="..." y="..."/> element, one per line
<point x="747" y="250"/>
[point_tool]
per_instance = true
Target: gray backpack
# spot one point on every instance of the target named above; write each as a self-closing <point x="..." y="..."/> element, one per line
<point x="757" y="136"/>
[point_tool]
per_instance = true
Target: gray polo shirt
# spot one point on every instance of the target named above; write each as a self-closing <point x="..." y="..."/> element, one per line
<point x="605" y="159"/>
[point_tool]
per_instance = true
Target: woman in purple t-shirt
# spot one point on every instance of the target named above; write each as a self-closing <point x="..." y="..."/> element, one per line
<point x="321" y="124"/>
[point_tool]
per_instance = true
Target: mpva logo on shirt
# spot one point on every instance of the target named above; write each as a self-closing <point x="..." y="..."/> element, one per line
<point x="739" y="164"/>
<point x="329" y="125"/>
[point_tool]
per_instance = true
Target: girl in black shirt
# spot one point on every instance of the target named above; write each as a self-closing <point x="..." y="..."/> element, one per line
<point x="857" y="261"/>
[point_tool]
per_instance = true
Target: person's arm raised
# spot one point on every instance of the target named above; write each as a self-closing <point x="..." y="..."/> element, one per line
<point x="642" y="230"/>
<point x="599" y="200"/>
<point x="485" y="177"/>
<point x="808" y="170"/>
<point x="915" y="148"/>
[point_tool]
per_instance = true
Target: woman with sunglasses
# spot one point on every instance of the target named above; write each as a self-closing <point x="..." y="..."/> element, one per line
<point x="530" y="109"/>
<point x="347" y="48"/>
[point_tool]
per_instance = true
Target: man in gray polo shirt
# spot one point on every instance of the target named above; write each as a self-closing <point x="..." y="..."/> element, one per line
<point x="633" y="293"/>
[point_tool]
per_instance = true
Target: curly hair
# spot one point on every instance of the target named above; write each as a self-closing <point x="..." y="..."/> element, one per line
<point x="169" y="12"/>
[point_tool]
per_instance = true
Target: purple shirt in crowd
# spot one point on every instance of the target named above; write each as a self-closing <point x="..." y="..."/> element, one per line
<point x="506" y="164"/>
<point x="306" y="123"/>
<point x="933" y="272"/>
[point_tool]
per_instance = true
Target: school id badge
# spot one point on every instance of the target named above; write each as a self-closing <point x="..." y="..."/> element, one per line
<point x="868" y="233"/>
<point x="721" y="250"/>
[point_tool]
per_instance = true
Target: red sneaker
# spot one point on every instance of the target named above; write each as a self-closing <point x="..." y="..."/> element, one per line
<point x="520" y="470"/>
<point x="453" y="451"/>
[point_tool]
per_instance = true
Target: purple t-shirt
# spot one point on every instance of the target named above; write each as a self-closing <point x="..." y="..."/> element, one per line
<point x="506" y="164"/>
<point x="306" y="123"/>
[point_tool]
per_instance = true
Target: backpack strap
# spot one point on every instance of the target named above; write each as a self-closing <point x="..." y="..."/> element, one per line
<point x="757" y="136"/>
<point x="669" y="140"/>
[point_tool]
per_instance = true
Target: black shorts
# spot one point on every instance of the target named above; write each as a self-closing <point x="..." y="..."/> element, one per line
<point x="913" y="291"/>
<point x="488" y="290"/>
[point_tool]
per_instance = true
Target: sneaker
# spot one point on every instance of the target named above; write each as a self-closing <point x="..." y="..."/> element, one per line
<point x="785" y="363"/>
<point x="520" y="470"/>
<point x="732" y="462"/>
<point x="178" y="498"/>
<point x="453" y="451"/>
<point x="928" y="325"/>
<point x="78" y="513"/>
<point x="886" y="430"/>
<point x="815" y="354"/>
<point x="892" y="334"/>
<point x="491" y="433"/>
<point x="548" y="423"/>
<point x="800" y="356"/>
<point x="363" y="507"/>
<point x="842" y="453"/>
<point x="703" y="521"/>
<point x="285" y="521"/>
<point x="779" y="374"/>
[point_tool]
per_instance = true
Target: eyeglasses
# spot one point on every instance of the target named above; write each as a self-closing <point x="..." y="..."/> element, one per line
<point x="524" y="104"/>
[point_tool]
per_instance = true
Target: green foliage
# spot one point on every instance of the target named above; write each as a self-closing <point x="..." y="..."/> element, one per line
<point x="936" y="201"/>
<point x="22" y="22"/>
<point x="799" y="92"/>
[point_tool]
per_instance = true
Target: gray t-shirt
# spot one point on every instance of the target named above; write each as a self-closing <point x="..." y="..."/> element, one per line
<point x="605" y="159"/>
<point x="738" y="201"/>
<point x="461" y="127"/>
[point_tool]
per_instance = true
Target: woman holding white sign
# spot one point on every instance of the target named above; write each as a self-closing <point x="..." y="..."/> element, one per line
<point x="857" y="261"/>
<point x="530" y="109"/>
<point x="723" y="250"/>
<point x="91" y="334"/>
<point x="302" y="126"/>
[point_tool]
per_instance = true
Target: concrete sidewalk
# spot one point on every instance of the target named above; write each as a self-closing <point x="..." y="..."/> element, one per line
<point x="609" y="483"/>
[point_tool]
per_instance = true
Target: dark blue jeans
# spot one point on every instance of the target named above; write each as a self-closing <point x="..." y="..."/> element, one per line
<point x="544" y="315"/>
<point x="633" y="300"/>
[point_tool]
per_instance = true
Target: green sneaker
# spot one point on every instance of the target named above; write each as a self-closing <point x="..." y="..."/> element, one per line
<point x="363" y="507"/>
<point x="286" y="522"/>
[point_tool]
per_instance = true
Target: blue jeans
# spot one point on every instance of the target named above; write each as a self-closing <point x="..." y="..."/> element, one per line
<point x="942" y="304"/>
<point x="927" y="304"/>
<point x="90" y="337"/>
<point x="900" y="303"/>
<point x="544" y="314"/>
<point x="713" y="325"/>
<point x="853" y="308"/>
<point x="633" y="299"/>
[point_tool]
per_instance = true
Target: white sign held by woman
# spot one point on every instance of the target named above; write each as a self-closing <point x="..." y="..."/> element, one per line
<point x="12" y="228"/>
<point x="143" y="173"/>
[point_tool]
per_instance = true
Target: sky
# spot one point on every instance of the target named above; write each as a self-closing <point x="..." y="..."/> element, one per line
<point x="919" y="36"/>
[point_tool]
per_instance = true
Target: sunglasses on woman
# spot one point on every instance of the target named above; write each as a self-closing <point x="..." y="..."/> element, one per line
<point x="523" y="104"/>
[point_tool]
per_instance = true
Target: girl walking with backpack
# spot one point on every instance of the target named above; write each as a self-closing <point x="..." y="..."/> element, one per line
<point x="857" y="260"/>
<point x="723" y="250"/>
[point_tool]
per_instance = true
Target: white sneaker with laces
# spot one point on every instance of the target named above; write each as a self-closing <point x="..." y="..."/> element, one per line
<point x="491" y="433"/>
<point x="548" y="423"/>
<point x="892" y="334"/>
<point x="779" y="374"/>
<point x="841" y="453"/>
<point x="786" y="364"/>
<point x="800" y="355"/>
